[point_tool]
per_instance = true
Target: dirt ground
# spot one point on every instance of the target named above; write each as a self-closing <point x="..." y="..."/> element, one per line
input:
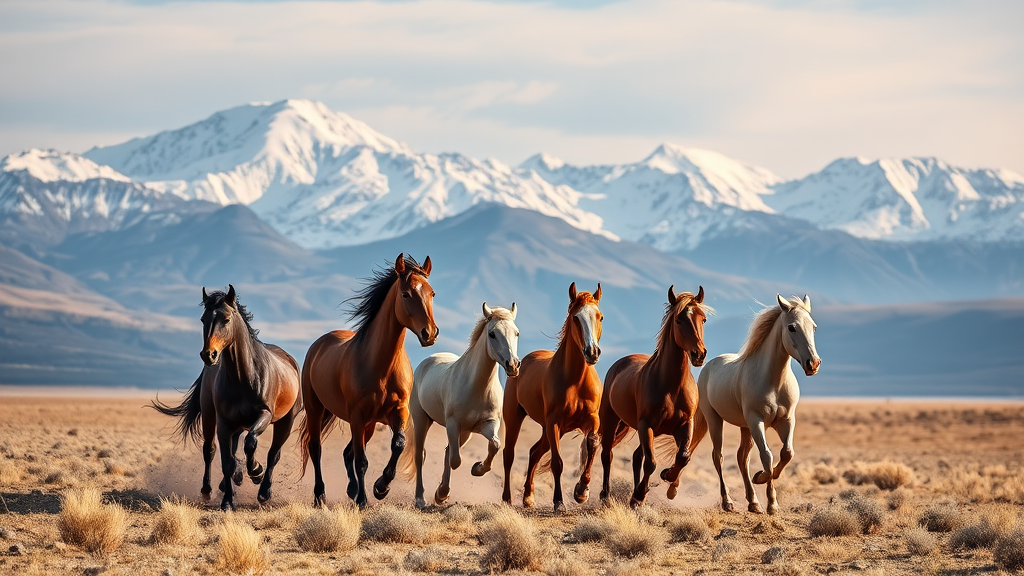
<point x="966" y="455"/>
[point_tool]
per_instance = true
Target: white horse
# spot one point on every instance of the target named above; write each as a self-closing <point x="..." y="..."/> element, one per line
<point x="463" y="394"/>
<point x="756" y="389"/>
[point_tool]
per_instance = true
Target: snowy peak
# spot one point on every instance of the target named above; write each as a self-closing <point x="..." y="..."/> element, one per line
<point x="55" y="166"/>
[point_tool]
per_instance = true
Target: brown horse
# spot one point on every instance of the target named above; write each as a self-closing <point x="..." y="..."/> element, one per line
<point x="656" y="395"/>
<point x="364" y="376"/>
<point x="245" y="384"/>
<point x="561" y="391"/>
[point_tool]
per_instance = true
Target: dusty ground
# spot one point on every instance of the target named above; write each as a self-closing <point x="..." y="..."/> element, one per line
<point x="969" y="454"/>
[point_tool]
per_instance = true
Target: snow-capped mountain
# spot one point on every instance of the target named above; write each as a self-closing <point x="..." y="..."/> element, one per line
<point x="46" y="194"/>
<point x="667" y="200"/>
<point x="324" y="179"/>
<point x="907" y="199"/>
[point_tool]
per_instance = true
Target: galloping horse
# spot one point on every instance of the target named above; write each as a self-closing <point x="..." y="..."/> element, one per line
<point x="463" y="394"/>
<point x="756" y="389"/>
<point x="561" y="391"/>
<point x="656" y="395"/>
<point x="245" y="384"/>
<point x="364" y="376"/>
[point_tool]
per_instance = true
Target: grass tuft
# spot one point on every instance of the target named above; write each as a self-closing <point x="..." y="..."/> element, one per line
<point x="240" y="549"/>
<point x="919" y="542"/>
<point x="628" y="536"/>
<point x="429" y="560"/>
<point x="834" y="522"/>
<point x="177" y="522"/>
<point x="886" y="475"/>
<point x="512" y="542"/>
<point x="85" y="521"/>
<point x="942" y="518"/>
<point x="689" y="528"/>
<point x="389" y="523"/>
<point x="869" y="513"/>
<point x="1009" y="550"/>
<point x="824" y="474"/>
<point x="329" y="530"/>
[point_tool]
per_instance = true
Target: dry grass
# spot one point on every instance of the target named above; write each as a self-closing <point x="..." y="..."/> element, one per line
<point x="429" y="560"/>
<point x="898" y="498"/>
<point x="390" y="523"/>
<point x="284" y="517"/>
<point x="689" y="528"/>
<point x="176" y="523"/>
<point x="512" y="543"/>
<point x="726" y="551"/>
<point x="590" y="529"/>
<point x="886" y="475"/>
<point x="1009" y="550"/>
<point x="834" y="550"/>
<point x="628" y="536"/>
<point x="457" y="515"/>
<point x="823" y="473"/>
<point x="833" y="522"/>
<point x="869" y="513"/>
<point x="86" y="521"/>
<point x="566" y="567"/>
<point x="942" y="518"/>
<point x="919" y="542"/>
<point x="10" y="472"/>
<point x="240" y="549"/>
<point x="329" y="530"/>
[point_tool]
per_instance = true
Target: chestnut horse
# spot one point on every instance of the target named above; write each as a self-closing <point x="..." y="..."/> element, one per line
<point x="365" y="377"/>
<point x="561" y="391"/>
<point x="656" y="395"/>
<point x="245" y="384"/>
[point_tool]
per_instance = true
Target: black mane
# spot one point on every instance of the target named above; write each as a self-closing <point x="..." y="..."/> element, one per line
<point x="216" y="299"/>
<point x="368" y="301"/>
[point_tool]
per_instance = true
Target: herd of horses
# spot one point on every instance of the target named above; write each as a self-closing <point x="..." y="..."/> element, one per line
<point x="364" y="377"/>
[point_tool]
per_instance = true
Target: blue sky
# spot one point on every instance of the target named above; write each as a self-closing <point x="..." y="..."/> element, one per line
<point x="787" y="84"/>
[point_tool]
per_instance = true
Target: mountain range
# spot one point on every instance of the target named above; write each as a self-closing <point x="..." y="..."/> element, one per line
<point x="102" y="254"/>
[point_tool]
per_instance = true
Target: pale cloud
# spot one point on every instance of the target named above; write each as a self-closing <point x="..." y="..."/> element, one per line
<point x="785" y="84"/>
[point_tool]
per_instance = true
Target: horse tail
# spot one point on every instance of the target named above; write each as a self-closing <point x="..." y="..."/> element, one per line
<point x="311" y="402"/>
<point x="407" y="461"/>
<point x="544" y="464"/>
<point x="700" y="429"/>
<point x="665" y="448"/>
<point x="189" y="412"/>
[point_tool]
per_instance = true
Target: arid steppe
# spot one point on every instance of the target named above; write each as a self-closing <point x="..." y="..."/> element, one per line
<point x="876" y="487"/>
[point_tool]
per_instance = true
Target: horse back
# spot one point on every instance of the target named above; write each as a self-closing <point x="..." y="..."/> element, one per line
<point x="283" y="392"/>
<point x="321" y="370"/>
<point x="621" y="386"/>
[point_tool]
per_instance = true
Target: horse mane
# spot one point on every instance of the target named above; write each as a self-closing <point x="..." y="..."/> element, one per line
<point x="683" y="300"/>
<point x="368" y="301"/>
<point x="216" y="300"/>
<point x="762" y="326"/>
<point x="499" y="313"/>
<point x="258" y="358"/>
<point x="582" y="299"/>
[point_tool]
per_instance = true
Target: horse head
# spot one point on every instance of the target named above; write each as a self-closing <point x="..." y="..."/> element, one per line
<point x="688" y="323"/>
<point x="799" y="335"/>
<point x="220" y="314"/>
<point x="586" y="321"/>
<point x="415" y="306"/>
<point x="503" y="337"/>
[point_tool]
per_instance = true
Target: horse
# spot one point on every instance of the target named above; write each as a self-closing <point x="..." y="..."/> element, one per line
<point x="463" y="394"/>
<point x="365" y="377"/>
<point x="245" y="385"/>
<point x="561" y="391"/>
<point x="756" y="388"/>
<point x="656" y="395"/>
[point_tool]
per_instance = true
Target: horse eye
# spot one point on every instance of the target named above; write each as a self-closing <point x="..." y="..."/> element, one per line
<point x="792" y="328"/>
<point x="491" y="334"/>
<point x="517" y="334"/>
<point x="406" y="295"/>
<point x="601" y="317"/>
<point x="703" y="320"/>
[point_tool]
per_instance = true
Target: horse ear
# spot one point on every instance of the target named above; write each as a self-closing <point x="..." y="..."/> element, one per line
<point x="231" y="296"/>
<point x="426" y="266"/>
<point x="487" y="310"/>
<point x="400" y="264"/>
<point x="513" y="310"/>
<point x="205" y="297"/>
<point x="597" y="293"/>
<point x="785" y="305"/>
<point x="807" y="302"/>
<point x="572" y="292"/>
<point x="700" y="295"/>
<point x="672" y="294"/>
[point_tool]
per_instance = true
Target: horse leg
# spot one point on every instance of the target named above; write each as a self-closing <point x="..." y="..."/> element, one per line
<point x="589" y="449"/>
<point x="638" y="464"/>
<point x="254" y="468"/>
<point x="489" y="431"/>
<point x="209" y="451"/>
<point x="232" y="449"/>
<point x="742" y="456"/>
<point x="397" y="420"/>
<point x="610" y="430"/>
<point x="350" y="469"/>
<point x="359" y="438"/>
<point x="314" y="431"/>
<point x="513" y="424"/>
<point x="758" y="433"/>
<point x="536" y="452"/>
<point x="715" y="429"/>
<point x="649" y="466"/>
<point x="282" y="429"/>
<point x="785" y="429"/>
<point x="452" y="459"/>
<point x="683" y="437"/>
<point x="422" y="426"/>
<point x="554" y="435"/>
<point x="228" y="464"/>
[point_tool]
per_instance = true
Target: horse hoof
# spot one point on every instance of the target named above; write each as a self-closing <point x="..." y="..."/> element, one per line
<point x="361" y="502"/>
<point x="237" y="476"/>
<point x="380" y="491"/>
<point x="760" y="477"/>
<point x="673" y="489"/>
<point x="257" y="476"/>
<point x="728" y="506"/>
<point x="664" y="475"/>
<point x="635" y="503"/>
<point x="754" y="507"/>
<point x="352" y="490"/>
<point x="558" y="507"/>
<point x="205" y="494"/>
<point x="603" y="496"/>
<point x="421" y="504"/>
<point x="528" y="501"/>
<point x="478" y="469"/>
<point x="773" y="510"/>
<point x="581" y="493"/>
<point x="227" y="506"/>
<point x="319" y="500"/>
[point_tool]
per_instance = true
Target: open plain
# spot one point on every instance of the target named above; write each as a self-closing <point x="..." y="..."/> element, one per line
<point x="876" y="487"/>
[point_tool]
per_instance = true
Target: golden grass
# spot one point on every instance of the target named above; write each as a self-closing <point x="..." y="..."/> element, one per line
<point x="10" y="472"/>
<point x="942" y="518"/>
<point x="284" y="517"/>
<point x="1009" y="550"/>
<point x="823" y="473"/>
<point x="177" y="522"/>
<point x="85" y="521"/>
<point x="512" y="542"/>
<point x="329" y="530"/>
<point x="886" y="475"/>
<point x="919" y="542"/>
<point x="240" y="550"/>
<point x="566" y="567"/>
<point x="627" y="536"/>
<point x="390" y="523"/>
<point x="869" y="513"/>
<point x="429" y="559"/>
<point x="689" y="528"/>
<point x="834" y="521"/>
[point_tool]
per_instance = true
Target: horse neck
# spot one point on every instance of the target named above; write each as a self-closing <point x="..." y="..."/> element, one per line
<point x="382" y="341"/>
<point x="245" y="352"/>
<point x="772" y="356"/>
<point x="477" y="362"/>
<point x="669" y="362"/>
<point x="568" y="357"/>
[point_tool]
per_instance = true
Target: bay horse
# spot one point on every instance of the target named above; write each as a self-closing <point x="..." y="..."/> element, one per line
<point x="364" y="376"/>
<point x="463" y="394"/>
<point x="245" y="385"/>
<point x="561" y="391"/>
<point x="755" y="389"/>
<point x="656" y="395"/>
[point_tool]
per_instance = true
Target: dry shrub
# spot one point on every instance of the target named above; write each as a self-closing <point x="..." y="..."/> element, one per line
<point x="834" y="550"/>
<point x="627" y="569"/>
<point x="824" y="474"/>
<point x="427" y="560"/>
<point x="566" y="567"/>
<point x="627" y="536"/>
<point x="980" y="535"/>
<point x="115" y="468"/>
<point x="512" y="542"/>
<point x="177" y="522"/>
<point x="689" y="528"/>
<point x="941" y="518"/>
<point x="786" y="569"/>
<point x="457" y="515"/>
<point x="486" y="512"/>
<point x="726" y="551"/>
<point x="329" y="530"/>
<point x="898" y="498"/>
<point x="10" y="473"/>
<point x="868" y="511"/>
<point x="834" y="522"/>
<point x="389" y="523"/>
<point x="919" y="541"/>
<point x="590" y="529"/>
<point x="886" y="475"/>
<point x="85" y="521"/>
<point x="240" y="549"/>
<point x="285" y="517"/>
<point x="1009" y="550"/>
<point x="57" y="477"/>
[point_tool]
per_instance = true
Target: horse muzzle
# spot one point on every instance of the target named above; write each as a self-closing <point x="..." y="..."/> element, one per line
<point x="811" y="366"/>
<point x="592" y="354"/>
<point x="512" y="368"/>
<point x="426" y="338"/>
<point x="697" y="357"/>
<point x="210" y="357"/>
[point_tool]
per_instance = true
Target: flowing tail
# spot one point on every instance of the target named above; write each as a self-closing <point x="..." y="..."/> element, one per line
<point x="700" y="429"/>
<point x="407" y="461"/>
<point x="544" y="464"/>
<point x="325" y="428"/>
<point x="189" y="413"/>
